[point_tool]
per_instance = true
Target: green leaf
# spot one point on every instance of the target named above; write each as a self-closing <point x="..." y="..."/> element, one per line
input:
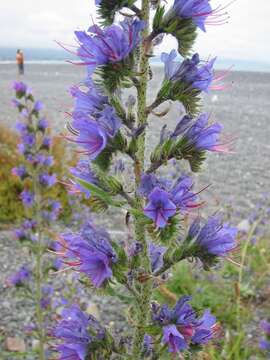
<point x="99" y="193"/>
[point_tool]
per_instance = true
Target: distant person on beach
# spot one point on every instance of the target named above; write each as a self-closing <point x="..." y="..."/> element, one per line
<point x="20" y="61"/>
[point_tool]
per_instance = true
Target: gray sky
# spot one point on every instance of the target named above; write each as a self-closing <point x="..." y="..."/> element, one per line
<point x="37" y="23"/>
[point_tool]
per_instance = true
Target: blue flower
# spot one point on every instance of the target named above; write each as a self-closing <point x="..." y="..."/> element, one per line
<point x="214" y="238"/>
<point x="73" y="331"/>
<point x="156" y="255"/>
<point x="181" y="326"/>
<point x="89" y="136"/>
<point x="20" y="277"/>
<point x="28" y="198"/>
<point x="190" y="71"/>
<point x="197" y="10"/>
<point x="109" y="45"/>
<point x="172" y="337"/>
<point x="91" y="252"/>
<point x="159" y="208"/>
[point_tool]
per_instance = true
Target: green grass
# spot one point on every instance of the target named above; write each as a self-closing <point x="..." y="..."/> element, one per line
<point x="237" y="295"/>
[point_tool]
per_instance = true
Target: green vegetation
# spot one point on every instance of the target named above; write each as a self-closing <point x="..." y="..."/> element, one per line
<point x="11" y="209"/>
<point x="238" y="296"/>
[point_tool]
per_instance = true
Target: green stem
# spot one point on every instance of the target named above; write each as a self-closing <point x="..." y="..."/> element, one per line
<point x="38" y="270"/>
<point x="143" y="306"/>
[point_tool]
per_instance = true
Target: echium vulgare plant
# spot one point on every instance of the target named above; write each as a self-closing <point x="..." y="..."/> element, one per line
<point x="105" y="127"/>
<point x="35" y="172"/>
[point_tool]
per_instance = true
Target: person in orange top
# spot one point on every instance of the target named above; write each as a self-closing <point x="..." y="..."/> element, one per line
<point x="20" y="61"/>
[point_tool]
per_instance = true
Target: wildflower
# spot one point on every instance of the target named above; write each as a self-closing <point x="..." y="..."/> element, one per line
<point x="173" y="338"/>
<point x="90" y="136"/>
<point x="213" y="238"/>
<point x="91" y="104"/>
<point x="20" y="171"/>
<point x="20" y="277"/>
<point x="179" y="197"/>
<point x="42" y="124"/>
<point x="38" y="106"/>
<point x="156" y="256"/>
<point x="109" y="45"/>
<point x="190" y="71"/>
<point x="46" y="143"/>
<point x="47" y="180"/>
<point x="160" y="208"/>
<point x="147" y="345"/>
<point x="73" y="331"/>
<point x="29" y="139"/>
<point x="52" y="211"/>
<point x="181" y="326"/>
<point x="199" y="11"/>
<point x="93" y="253"/>
<point x="28" y="198"/>
<point x="20" y="88"/>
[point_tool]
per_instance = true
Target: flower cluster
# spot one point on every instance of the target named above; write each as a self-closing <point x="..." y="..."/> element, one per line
<point x="74" y="332"/>
<point x="190" y="72"/>
<point x="19" y="278"/>
<point x="94" y="121"/>
<point x="181" y="327"/>
<point x="90" y="252"/>
<point x="265" y="341"/>
<point x="165" y="199"/>
<point x="35" y="146"/>
<point x="110" y="45"/>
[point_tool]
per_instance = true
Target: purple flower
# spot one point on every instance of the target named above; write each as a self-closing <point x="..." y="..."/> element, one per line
<point x="20" y="277"/>
<point x="73" y="331"/>
<point x="201" y="136"/>
<point x="47" y="180"/>
<point x="148" y="183"/>
<point x="109" y="45"/>
<point x="29" y="139"/>
<point x="93" y="253"/>
<point x="199" y="11"/>
<point x="214" y="238"/>
<point x="20" y="171"/>
<point x="264" y="345"/>
<point x="38" y="106"/>
<point x="147" y="345"/>
<point x="265" y="326"/>
<point x="90" y="136"/>
<point x="21" y="127"/>
<point x="47" y="292"/>
<point x="46" y="143"/>
<point x="43" y="160"/>
<point x="205" y="330"/>
<point x="156" y="255"/>
<point x="82" y="171"/>
<point x="42" y="124"/>
<point x="92" y="104"/>
<point x="20" y="88"/>
<point x="173" y="339"/>
<point x="182" y="197"/>
<point x="159" y="208"/>
<point x="181" y="326"/>
<point x="189" y="71"/>
<point x="53" y="210"/>
<point x="27" y="198"/>
<point x="182" y="126"/>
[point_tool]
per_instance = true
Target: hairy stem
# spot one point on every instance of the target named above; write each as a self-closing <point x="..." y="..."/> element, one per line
<point x="38" y="269"/>
<point x="143" y="307"/>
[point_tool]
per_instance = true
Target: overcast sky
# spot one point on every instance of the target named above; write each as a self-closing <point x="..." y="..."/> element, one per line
<point x="37" y="23"/>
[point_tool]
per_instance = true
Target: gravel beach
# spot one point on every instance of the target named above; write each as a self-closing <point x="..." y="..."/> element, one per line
<point x="238" y="178"/>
